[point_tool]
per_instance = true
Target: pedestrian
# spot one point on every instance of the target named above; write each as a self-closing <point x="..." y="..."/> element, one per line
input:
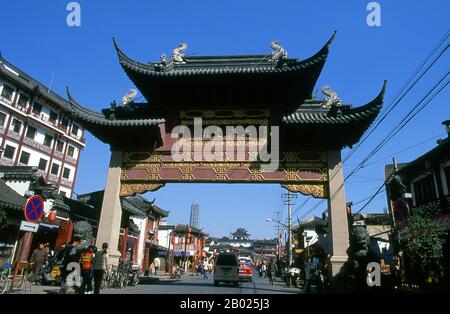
<point x="263" y="269"/>
<point x="101" y="265"/>
<point x="271" y="269"/>
<point x="38" y="259"/>
<point x="157" y="263"/>
<point x="203" y="270"/>
<point x="86" y="262"/>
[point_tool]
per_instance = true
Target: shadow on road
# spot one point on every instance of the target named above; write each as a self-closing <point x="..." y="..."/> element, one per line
<point x="182" y="283"/>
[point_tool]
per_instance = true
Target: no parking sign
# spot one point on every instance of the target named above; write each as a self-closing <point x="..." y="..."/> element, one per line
<point x="34" y="209"/>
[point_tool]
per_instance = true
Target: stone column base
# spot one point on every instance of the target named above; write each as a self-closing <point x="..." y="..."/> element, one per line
<point x="114" y="256"/>
<point x="336" y="264"/>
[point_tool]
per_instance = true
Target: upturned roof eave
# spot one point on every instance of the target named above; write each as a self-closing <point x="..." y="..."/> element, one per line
<point x="367" y="112"/>
<point x="133" y="67"/>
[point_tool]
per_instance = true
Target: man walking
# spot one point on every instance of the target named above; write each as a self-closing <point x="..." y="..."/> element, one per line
<point x="101" y="265"/>
<point x="157" y="263"/>
<point x="86" y="261"/>
<point x="38" y="258"/>
<point x="203" y="270"/>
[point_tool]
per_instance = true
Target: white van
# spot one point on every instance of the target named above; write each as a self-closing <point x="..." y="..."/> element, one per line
<point x="226" y="269"/>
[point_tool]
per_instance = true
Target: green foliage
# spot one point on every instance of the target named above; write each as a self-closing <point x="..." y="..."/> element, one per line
<point x="423" y="235"/>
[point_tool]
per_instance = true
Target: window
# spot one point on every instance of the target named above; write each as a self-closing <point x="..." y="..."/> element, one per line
<point x="75" y="130"/>
<point x="66" y="173"/>
<point x="53" y="117"/>
<point x="37" y="108"/>
<point x="42" y="164"/>
<point x="2" y="119"/>
<point x="59" y="146"/>
<point x="64" y="124"/>
<point x="16" y="126"/>
<point x="31" y="132"/>
<point x="48" y="140"/>
<point x="24" y="158"/>
<point x="7" y="92"/>
<point x="23" y="100"/>
<point x="9" y="152"/>
<point x="63" y="193"/>
<point x="55" y="169"/>
<point x="71" y="151"/>
<point x="424" y="190"/>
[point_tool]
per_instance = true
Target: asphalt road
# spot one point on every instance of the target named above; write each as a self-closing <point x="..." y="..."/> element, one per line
<point x="196" y="285"/>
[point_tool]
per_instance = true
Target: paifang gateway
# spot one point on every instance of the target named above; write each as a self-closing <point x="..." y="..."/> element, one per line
<point x="271" y="90"/>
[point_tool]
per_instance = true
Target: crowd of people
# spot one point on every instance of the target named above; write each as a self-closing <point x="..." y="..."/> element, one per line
<point x="93" y="264"/>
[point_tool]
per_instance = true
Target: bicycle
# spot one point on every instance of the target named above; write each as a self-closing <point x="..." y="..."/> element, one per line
<point x="6" y="278"/>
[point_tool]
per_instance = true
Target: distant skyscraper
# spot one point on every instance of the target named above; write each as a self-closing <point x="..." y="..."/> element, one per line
<point x="195" y="215"/>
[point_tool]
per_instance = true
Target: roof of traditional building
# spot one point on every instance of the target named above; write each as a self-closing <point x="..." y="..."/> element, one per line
<point x="206" y="81"/>
<point x="10" y="199"/>
<point x="182" y="229"/>
<point x="220" y="65"/>
<point x="438" y="153"/>
<point x="145" y="205"/>
<point x="314" y="112"/>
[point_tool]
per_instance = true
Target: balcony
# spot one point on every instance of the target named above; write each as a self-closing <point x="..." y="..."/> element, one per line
<point x="2" y="130"/>
<point x="6" y="162"/>
<point x="37" y="145"/>
<point x="14" y="135"/>
<point x="66" y="182"/>
<point x="59" y="154"/>
<point x="71" y="160"/>
<point x="53" y="178"/>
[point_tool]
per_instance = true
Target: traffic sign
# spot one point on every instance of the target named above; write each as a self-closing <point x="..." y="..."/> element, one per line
<point x="34" y="209"/>
<point x="29" y="226"/>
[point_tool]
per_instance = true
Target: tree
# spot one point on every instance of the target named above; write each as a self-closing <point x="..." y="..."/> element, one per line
<point x="423" y="237"/>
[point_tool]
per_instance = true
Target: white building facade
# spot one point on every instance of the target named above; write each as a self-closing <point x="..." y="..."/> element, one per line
<point x="37" y="129"/>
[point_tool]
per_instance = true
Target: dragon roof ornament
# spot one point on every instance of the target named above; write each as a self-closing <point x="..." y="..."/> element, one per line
<point x="129" y="97"/>
<point x="178" y="53"/>
<point x="331" y="98"/>
<point x="278" y="52"/>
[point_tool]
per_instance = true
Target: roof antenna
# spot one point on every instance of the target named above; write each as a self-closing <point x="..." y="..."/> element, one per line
<point x="51" y="82"/>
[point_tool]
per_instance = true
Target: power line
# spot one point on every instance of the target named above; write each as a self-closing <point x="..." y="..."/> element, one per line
<point x="409" y="116"/>
<point x="397" y="99"/>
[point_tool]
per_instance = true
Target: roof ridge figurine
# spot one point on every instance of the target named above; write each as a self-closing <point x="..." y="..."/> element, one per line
<point x="278" y="52"/>
<point x="129" y="97"/>
<point x="331" y="98"/>
<point x="178" y="53"/>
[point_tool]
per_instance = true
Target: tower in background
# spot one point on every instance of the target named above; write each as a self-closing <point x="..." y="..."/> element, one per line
<point x="195" y="215"/>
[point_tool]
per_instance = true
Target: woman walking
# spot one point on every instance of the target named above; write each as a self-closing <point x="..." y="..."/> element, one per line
<point x="101" y="262"/>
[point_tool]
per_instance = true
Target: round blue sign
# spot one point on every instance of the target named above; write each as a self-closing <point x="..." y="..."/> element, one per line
<point x="34" y="209"/>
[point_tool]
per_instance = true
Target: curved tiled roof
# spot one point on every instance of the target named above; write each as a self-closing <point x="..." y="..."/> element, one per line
<point x="337" y="114"/>
<point x="9" y="198"/>
<point x="207" y="65"/>
<point x="94" y="117"/>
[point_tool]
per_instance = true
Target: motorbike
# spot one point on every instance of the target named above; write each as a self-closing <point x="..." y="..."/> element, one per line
<point x="293" y="276"/>
<point x="176" y="274"/>
<point x="52" y="273"/>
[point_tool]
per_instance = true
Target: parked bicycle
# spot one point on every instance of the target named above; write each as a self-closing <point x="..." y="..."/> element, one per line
<point x="21" y="281"/>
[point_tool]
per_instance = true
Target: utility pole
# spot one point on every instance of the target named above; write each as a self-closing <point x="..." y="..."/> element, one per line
<point x="287" y="200"/>
<point x="278" y="232"/>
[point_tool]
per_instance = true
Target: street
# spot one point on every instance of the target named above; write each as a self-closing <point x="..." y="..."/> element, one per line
<point x="196" y="285"/>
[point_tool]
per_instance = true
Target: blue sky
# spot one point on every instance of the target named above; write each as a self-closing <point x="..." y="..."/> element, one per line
<point x="36" y="38"/>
